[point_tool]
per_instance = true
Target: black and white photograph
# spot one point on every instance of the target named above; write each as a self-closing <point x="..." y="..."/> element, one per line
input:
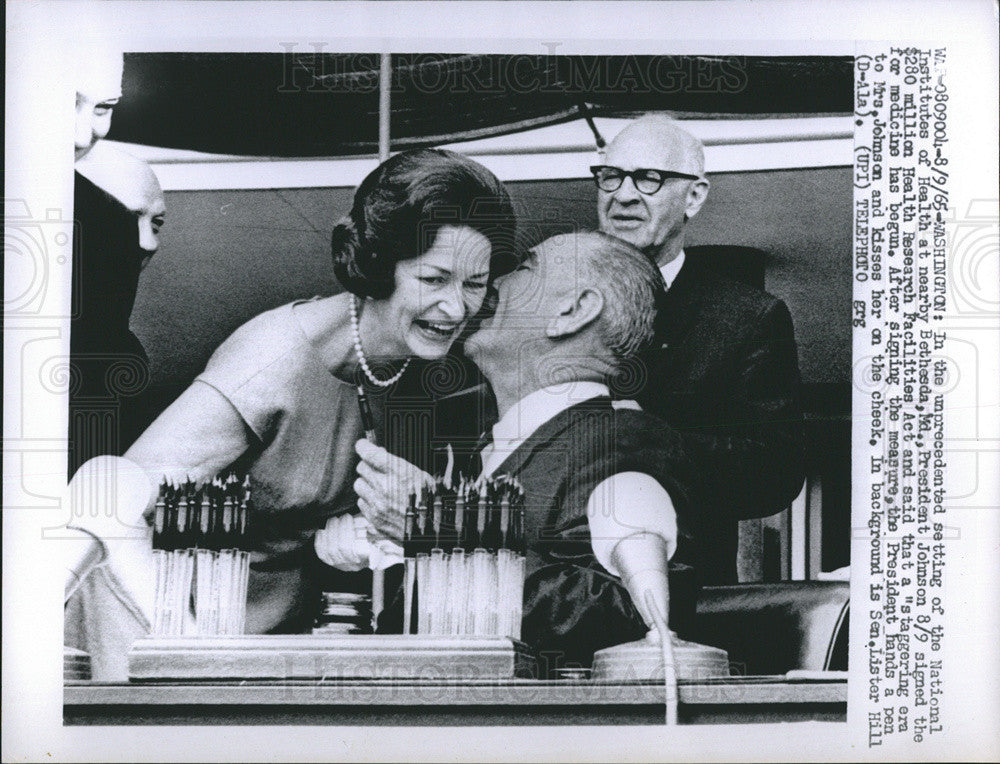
<point x="409" y="392"/>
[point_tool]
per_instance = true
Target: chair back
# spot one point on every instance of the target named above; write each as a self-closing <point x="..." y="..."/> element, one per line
<point x="775" y="628"/>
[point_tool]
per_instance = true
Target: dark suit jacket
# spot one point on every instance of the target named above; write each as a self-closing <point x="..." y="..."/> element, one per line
<point x="724" y="374"/>
<point x="572" y="605"/>
<point x="109" y="365"/>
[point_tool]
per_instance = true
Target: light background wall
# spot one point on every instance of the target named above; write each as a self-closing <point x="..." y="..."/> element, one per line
<point x="225" y="256"/>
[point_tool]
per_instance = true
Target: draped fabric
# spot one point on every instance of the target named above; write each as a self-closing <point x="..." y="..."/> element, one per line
<point x="306" y="102"/>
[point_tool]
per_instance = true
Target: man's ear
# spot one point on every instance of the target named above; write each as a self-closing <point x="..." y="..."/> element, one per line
<point x="577" y="311"/>
<point x="696" y="197"/>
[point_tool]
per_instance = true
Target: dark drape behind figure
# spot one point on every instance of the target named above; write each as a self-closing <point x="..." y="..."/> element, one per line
<point x="108" y="365"/>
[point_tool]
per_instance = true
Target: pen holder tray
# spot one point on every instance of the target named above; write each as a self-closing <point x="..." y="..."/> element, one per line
<point x="328" y="657"/>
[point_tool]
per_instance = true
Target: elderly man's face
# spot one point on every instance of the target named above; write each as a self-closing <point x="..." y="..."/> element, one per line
<point x="647" y="221"/>
<point x="151" y="214"/>
<point x="134" y="184"/>
<point x="98" y="90"/>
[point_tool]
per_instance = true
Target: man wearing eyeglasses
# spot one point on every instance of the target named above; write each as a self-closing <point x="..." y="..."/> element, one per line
<point x="724" y="371"/>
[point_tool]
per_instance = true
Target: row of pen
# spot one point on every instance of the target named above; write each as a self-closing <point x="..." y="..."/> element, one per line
<point x="464" y="551"/>
<point x="201" y="549"/>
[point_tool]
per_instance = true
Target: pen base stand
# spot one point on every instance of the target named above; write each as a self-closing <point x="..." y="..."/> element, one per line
<point x="76" y="664"/>
<point x="328" y="657"/>
<point x="215" y="582"/>
<point x="643" y="661"/>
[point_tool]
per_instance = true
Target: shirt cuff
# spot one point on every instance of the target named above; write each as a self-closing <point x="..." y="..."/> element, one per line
<point x="624" y="505"/>
<point x="108" y="497"/>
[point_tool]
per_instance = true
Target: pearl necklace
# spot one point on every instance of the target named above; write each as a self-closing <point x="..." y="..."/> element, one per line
<point x="361" y="353"/>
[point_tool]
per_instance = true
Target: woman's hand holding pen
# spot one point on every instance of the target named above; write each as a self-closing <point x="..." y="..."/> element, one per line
<point x="384" y="485"/>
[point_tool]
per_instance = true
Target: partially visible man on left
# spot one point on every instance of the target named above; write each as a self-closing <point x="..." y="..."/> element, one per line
<point x="113" y="198"/>
<point x="98" y="90"/>
<point x="131" y="182"/>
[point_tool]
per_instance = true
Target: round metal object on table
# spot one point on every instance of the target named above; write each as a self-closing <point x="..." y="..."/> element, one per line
<point x="345" y="598"/>
<point x="642" y="660"/>
<point x="344" y="613"/>
<point x="572" y="674"/>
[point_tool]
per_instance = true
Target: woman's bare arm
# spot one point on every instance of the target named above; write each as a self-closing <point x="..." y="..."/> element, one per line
<point x="198" y="435"/>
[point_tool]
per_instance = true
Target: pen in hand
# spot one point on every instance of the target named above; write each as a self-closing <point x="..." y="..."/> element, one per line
<point x="367" y="420"/>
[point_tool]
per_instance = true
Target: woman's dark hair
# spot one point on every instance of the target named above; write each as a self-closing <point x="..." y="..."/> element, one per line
<point x="399" y="208"/>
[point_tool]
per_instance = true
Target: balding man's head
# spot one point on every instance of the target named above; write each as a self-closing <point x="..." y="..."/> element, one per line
<point x="630" y="284"/>
<point x="586" y="297"/>
<point x="133" y="183"/>
<point x="654" y="222"/>
<point x="659" y="137"/>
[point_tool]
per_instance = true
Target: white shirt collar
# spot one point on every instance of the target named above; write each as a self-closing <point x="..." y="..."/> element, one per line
<point x="671" y="269"/>
<point x="531" y="412"/>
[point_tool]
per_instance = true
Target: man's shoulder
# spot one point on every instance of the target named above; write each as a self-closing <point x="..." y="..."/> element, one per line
<point x="712" y="309"/>
<point x="620" y="427"/>
<point x="603" y="440"/>
<point x="636" y="425"/>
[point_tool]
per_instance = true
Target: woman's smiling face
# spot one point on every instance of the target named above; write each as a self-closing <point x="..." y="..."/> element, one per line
<point x="436" y="293"/>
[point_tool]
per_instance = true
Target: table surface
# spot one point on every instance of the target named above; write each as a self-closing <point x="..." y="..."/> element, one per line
<point x="730" y="690"/>
<point x="508" y="701"/>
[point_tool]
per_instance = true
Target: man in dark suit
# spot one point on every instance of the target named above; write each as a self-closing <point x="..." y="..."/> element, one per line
<point x="607" y="502"/>
<point x="118" y="211"/>
<point x="724" y="369"/>
<point x="107" y="358"/>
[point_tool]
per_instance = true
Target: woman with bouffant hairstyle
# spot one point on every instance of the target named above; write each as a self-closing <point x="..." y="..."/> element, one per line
<point x="280" y="397"/>
<point x="399" y="208"/>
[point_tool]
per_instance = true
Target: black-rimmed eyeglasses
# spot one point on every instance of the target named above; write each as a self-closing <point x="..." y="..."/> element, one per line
<point x="647" y="181"/>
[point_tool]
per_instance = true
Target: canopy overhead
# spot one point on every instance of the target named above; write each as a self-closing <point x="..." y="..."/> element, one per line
<point x="317" y="104"/>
